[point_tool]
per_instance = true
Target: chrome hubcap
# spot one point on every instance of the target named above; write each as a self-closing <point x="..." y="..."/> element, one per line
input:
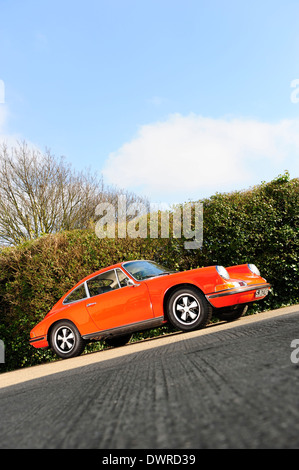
<point x="65" y="339"/>
<point x="186" y="309"/>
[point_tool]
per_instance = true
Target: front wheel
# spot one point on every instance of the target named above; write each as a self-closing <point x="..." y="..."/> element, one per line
<point x="66" y="340"/>
<point x="188" y="309"/>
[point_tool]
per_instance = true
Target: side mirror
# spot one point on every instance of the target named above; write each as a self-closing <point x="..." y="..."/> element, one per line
<point x="131" y="283"/>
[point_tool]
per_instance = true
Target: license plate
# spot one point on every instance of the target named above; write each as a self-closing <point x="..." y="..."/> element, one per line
<point x="261" y="292"/>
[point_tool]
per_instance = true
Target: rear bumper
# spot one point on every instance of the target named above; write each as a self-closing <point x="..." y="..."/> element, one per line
<point x="239" y="295"/>
<point x="39" y="342"/>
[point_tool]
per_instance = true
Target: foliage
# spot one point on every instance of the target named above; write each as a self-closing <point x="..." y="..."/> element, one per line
<point x="41" y="194"/>
<point x="259" y="226"/>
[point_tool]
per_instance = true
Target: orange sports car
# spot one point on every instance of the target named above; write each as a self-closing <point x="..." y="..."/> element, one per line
<point x="117" y="301"/>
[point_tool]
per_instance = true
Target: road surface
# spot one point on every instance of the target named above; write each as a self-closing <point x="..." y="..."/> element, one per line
<point x="228" y="386"/>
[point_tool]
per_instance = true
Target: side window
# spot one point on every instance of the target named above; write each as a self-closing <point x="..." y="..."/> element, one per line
<point x="103" y="283"/>
<point x="122" y="278"/>
<point x="77" y="294"/>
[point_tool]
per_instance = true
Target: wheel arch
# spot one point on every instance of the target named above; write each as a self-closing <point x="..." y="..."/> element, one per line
<point x="174" y="288"/>
<point x="55" y="323"/>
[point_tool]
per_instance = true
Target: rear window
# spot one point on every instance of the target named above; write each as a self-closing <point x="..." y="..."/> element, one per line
<point x="77" y="294"/>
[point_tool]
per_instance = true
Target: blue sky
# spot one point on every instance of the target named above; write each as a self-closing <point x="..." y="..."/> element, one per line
<point x="174" y="99"/>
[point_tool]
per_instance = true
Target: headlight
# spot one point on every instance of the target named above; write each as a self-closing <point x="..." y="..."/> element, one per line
<point x="254" y="269"/>
<point x="222" y="272"/>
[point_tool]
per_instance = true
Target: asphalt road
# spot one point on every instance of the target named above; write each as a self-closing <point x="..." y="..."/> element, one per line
<point x="227" y="388"/>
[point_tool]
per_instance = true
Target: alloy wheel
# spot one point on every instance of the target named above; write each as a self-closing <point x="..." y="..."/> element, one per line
<point x="64" y="339"/>
<point x="186" y="309"/>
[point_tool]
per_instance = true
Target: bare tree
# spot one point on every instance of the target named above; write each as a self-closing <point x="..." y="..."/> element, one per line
<point x="42" y="194"/>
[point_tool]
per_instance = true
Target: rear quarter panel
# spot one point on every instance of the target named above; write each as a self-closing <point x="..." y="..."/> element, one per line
<point x="76" y="313"/>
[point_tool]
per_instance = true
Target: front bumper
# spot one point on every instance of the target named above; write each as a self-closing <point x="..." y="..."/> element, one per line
<point x="238" y="295"/>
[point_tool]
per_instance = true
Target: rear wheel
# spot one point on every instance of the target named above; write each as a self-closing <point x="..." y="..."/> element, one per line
<point x="188" y="309"/>
<point x="66" y="340"/>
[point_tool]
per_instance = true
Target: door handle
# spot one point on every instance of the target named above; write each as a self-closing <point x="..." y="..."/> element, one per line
<point x="89" y="305"/>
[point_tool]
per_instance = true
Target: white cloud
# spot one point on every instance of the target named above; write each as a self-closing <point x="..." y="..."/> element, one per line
<point x="5" y="137"/>
<point x="193" y="156"/>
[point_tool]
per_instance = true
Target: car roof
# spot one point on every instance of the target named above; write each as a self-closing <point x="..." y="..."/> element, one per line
<point x="107" y="268"/>
<point x="95" y="273"/>
<point x="101" y="270"/>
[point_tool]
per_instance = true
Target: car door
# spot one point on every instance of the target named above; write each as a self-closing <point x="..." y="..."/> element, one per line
<point x="113" y="303"/>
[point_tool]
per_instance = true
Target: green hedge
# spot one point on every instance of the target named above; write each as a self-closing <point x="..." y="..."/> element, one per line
<point x="258" y="226"/>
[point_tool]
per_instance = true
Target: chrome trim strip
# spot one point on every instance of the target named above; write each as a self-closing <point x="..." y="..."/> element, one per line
<point x="34" y="340"/>
<point x="237" y="290"/>
<point x="142" y="325"/>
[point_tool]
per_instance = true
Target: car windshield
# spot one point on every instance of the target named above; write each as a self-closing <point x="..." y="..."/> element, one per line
<point x="141" y="270"/>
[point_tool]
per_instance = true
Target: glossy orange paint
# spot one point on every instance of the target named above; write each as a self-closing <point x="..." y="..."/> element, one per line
<point x="141" y="304"/>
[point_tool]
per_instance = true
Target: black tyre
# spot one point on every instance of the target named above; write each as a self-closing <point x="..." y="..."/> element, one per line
<point x="230" y="314"/>
<point x="188" y="309"/>
<point x="117" y="341"/>
<point x="66" y="340"/>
